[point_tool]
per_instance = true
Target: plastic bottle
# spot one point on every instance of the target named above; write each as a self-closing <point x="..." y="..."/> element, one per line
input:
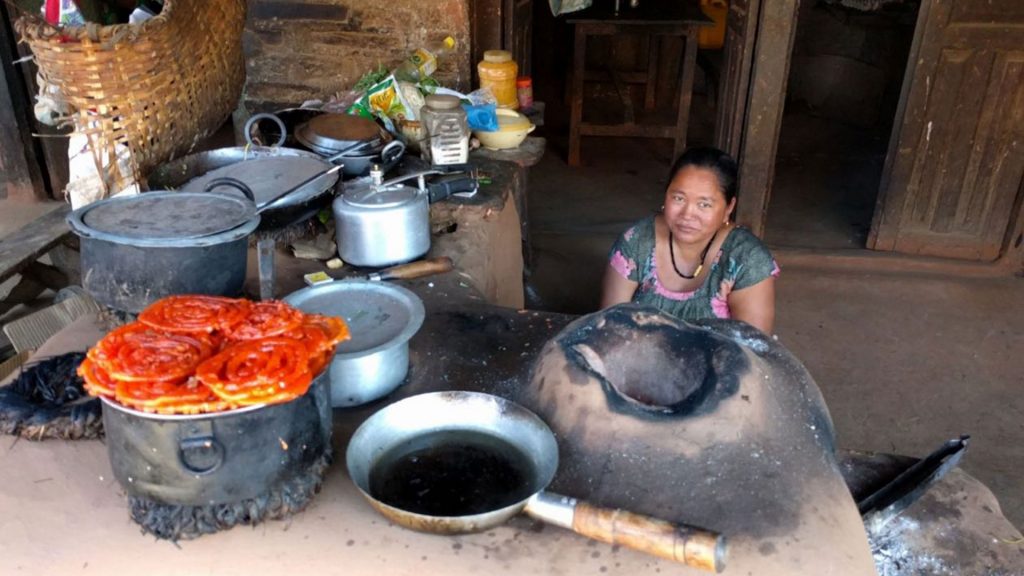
<point x="498" y="72"/>
<point x="524" y="92"/>
<point x="423" y="62"/>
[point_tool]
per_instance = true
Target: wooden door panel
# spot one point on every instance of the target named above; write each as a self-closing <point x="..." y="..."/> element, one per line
<point x="957" y="168"/>
<point x="519" y="33"/>
<point x="738" y="55"/>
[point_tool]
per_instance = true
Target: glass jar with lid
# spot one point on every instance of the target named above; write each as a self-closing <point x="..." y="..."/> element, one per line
<point x="447" y="130"/>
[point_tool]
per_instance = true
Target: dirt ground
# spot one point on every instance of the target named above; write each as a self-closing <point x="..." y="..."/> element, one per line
<point x="905" y="361"/>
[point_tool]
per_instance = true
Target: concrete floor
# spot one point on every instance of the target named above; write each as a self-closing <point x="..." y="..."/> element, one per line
<point x="905" y="362"/>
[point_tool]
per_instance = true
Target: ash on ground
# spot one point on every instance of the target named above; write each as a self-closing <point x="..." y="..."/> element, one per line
<point x="894" y="556"/>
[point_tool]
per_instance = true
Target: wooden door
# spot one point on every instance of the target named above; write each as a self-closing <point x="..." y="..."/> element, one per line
<point x="737" y="57"/>
<point x="956" y="157"/>
<point x="758" y="45"/>
<point x="519" y="33"/>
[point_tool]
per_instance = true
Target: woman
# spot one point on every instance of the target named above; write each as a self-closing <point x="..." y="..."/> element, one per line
<point x="689" y="260"/>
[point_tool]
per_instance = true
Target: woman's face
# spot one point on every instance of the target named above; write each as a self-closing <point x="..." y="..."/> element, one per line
<point x="695" y="205"/>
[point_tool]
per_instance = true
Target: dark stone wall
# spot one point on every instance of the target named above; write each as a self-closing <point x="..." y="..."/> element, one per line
<point x="303" y="49"/>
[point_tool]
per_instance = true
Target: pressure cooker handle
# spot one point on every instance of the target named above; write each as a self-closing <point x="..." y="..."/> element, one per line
<point x="695" y="547"/>
<point x="233" y="183"/>
<point x="443" y="188"/>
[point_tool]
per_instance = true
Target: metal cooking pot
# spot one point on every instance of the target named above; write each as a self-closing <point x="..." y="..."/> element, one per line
<point x="219" y="458"/>
<point x="136" y="250"/>
<point x="355" y="165"/>
<point x="381" y="318"/>
<point x="409" y="424"/>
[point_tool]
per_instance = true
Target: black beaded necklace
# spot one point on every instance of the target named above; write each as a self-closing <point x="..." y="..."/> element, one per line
<point x="703" y="255"/>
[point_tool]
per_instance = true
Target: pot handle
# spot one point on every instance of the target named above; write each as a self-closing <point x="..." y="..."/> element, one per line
<point x="265" y="116"/>
<point x="688" y="545"/>
<point x="233" y="183"/>
<point x="391" y="154"/>
<point x="198" y="451"/>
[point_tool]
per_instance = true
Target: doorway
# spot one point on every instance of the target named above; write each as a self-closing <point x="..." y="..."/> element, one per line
<point x="846" y="73"/>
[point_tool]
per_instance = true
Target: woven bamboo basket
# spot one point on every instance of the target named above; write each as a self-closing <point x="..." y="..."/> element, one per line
<point x="156" y="88"/>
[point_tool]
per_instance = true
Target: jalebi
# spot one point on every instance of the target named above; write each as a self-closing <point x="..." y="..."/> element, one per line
<point x="136" y="352"/>
<point x="194" y="313"/>
<point x="201" y="354"/>
<point x="259" y="371"/>
<point x="335" y="330"/>
<point x="97" y="381"/>
<point x="266" y="319"/>
<point x="168" y="397"/>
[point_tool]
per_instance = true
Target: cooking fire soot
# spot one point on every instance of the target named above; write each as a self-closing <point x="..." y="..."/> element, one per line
<point x="453" y="473"/>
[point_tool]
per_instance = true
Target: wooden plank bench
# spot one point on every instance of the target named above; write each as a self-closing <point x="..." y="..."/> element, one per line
<point x="20" y="251"/>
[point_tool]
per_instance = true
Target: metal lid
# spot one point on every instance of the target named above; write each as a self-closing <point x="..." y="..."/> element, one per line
<point x="443" y="101"/>
<point x="167" y="219"/>
<point x="269" y="177"/>
<point x="335" y="132"/>
<point x="379" y="314"/>
<point x="369" y="196"/>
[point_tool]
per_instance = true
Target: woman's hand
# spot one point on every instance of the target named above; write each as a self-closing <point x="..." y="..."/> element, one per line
<point x="615" y="289"/>
<point x="755" y="305"/>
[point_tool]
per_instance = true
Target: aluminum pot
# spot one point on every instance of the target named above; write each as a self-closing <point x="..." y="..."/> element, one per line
<point x="382" y="318"/>
<point x="138" y="249"/>
<point x="218" y="458"/>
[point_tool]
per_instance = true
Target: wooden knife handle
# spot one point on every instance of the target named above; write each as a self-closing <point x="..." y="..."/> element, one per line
<point x="418" y="269"/>
<point x="688" y="545"/>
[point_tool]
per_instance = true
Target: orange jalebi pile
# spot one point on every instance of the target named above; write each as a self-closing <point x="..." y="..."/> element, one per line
<point x="201" y="354"/>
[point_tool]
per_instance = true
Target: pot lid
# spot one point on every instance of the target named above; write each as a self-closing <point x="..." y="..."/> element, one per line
<point x="339" y="131"/>
<point x="368" y="196"/>
<point x="166" y="217"/>
<point x="511" y="120"/>
<point x="379" y="314"/>
<point x="443" y="102"/>
<point x="269" y="177"/>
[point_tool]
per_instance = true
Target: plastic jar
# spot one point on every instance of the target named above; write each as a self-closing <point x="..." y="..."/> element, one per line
<point x="524" y="92"/>
<point x="498" y="72"/>
<point x="447" y="130"/>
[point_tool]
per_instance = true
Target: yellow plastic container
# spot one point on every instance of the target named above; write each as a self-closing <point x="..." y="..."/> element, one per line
<point x="498" y="71"/>
<point x="713" y="37"/>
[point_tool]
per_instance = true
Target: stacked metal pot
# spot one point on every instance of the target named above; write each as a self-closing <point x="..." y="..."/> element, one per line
<point x="356" y="142"/>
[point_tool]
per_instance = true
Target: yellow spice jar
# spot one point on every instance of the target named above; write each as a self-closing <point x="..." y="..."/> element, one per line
<point x="498" y="72"/>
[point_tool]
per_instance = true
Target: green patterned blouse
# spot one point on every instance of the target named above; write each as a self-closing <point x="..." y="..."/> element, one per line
<point x="741" y="262"/>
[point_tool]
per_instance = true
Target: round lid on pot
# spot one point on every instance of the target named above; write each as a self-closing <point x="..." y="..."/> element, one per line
<point x="167" y="219"/>
<point x="335" y="132"/>
<point x="379" y="315"/>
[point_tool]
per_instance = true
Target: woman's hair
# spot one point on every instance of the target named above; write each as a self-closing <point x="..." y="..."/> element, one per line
<point x="720" y="163"/>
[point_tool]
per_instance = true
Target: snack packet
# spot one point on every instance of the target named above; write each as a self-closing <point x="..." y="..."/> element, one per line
<point x="385" y="101"/>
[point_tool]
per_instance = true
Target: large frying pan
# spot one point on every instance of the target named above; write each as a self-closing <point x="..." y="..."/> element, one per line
<point x="403" y="423"/>
<point x="189" y="172"/>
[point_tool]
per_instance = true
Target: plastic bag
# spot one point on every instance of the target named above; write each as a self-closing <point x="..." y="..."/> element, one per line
<point x="483" y="117"/>
<point x="559" y="7"/>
